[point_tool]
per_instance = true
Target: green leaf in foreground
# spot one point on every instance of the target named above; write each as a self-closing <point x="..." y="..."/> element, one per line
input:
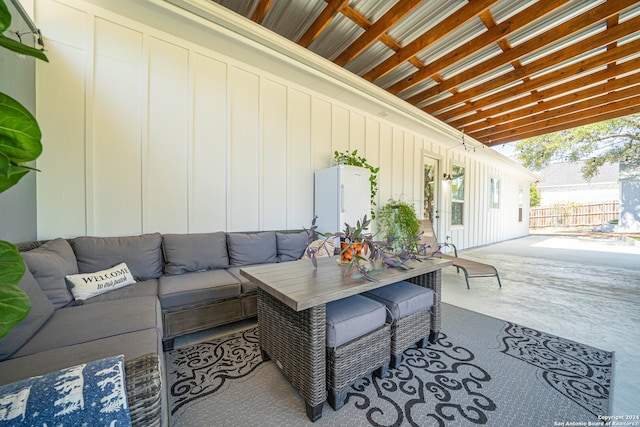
<point x="14" y="304"/>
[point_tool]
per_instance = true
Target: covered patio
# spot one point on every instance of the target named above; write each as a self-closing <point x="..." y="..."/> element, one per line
<point x="583" y="288"/>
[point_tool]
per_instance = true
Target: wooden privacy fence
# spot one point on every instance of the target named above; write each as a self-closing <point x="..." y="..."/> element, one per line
<point x="574" y="214"/>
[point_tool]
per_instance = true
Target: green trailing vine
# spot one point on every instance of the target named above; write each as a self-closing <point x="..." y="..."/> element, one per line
<point x="352" y="159"/>
<point x="398" y="221"/>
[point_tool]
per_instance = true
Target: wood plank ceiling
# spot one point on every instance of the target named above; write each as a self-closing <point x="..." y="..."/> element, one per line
<point x="498" y="70"/>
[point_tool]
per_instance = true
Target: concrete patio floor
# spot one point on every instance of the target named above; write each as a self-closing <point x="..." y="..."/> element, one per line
<point x="586" y="289"/>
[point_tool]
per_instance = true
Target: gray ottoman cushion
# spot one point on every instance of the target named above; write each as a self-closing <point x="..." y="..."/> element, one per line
<point x="402" y="298"/>
<point x="352" y="317"/>
<point x="197" y="288"/>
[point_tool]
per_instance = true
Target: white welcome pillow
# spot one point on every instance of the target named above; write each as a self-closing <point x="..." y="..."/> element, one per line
<point x="87" y="285"/>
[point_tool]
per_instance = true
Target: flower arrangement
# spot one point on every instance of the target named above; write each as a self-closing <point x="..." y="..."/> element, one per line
<point x="371" y="252"/>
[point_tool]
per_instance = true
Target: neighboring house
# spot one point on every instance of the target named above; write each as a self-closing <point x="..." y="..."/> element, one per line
<point x="629" y="196"/>
<point x="563" y="183"/>
<point x="155" y="119"/>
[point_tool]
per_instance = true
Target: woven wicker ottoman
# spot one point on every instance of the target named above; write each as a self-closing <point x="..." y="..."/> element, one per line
<point x="409" y="311"/>
<point x="358" y="343"/>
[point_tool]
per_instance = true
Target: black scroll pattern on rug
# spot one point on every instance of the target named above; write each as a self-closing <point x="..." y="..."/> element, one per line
<point x="202" y="369"/>
<point x="577" y="371"/>
<point x="441" y="383"/>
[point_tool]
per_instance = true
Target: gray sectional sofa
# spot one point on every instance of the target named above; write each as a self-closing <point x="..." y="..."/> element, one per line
<point x="182" y="283"/>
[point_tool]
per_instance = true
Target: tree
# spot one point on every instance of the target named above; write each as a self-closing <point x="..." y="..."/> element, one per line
<point x="611" y="141"/>
<point x="535" y="197"/>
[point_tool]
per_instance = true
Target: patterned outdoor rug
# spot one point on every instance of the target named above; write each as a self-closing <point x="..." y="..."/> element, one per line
<point x="482" y="371"/>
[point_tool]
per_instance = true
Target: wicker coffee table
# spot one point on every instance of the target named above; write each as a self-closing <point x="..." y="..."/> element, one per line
<point x="291" y="314"/>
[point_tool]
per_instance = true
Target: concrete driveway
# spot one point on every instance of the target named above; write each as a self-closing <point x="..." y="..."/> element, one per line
<point x="583" y="288"/>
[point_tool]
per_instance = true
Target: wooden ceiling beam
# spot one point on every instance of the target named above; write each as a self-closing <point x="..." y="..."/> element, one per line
<point x="574" y="85"/>
<point x="604" y="58"/>
<point x="261" y="11"/>
<point x="590" y="92"/>
<point x="605" y="38"/>
<point x="321" y="22"/>
<point x="547" y="116"/>
<point x="614" y="113"/>
<point x="381" y="26"/>
<point x="440" y="30"/>
<point x="492" y="35"/>
<point x="593" y="16"/>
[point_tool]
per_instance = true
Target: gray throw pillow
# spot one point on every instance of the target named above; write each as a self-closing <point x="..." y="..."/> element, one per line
<point x="49" y="264"/>
<point x="194" y="252"/>
<point x="41" y="310"/>
<point x="142" y="254"/>
<point x="252" y="248"/>
<point x="291" y="246"/>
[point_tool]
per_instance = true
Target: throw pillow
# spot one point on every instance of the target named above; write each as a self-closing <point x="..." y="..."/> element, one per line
<point x="87" y="285"/>
<point x="291" y="245"/>
<point x="252" y="248"/>
<point x="324" y="248"/>
<point x="143" y="254"/>
<point x="41" y="310"/>
<point x="92" y="394"/>
<point x="49" y="264"/>
<point x="194" y="252"/>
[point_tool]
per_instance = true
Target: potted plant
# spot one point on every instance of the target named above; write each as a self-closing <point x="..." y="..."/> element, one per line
<point x="19" y="143"/>
<point x="398" y="220"/>
<point x="352" y="159"/>
<point x="363" y="253"/>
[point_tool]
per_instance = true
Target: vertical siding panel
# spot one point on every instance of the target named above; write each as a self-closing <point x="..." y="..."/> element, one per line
<point x="321" y="134"/>
<point x="208" y="193"/>
<point x="61" y="115"/>
<point x="372" y="151"/>
<point x="385" y="177"/>
<point x="300" y="188"/>
<point x="339" y="129"/>
<point x="397" y="155"/>
<point x="408" y="164"/>
<point x="165" y="190"/>
<point x="244" y="162"/>
<point x="116" y="161"/>
<point x="356" y="133"/>
<point x="418" y="176"/>
<point x="273" y="107"/>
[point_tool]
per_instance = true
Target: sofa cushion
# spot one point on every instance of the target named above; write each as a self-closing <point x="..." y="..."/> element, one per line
<point x="49" y="264"/>
<point x="132" y="345"/>
<point x="322" y="248"/>
<point x="77" y="324"/>
<point x="41" y="310"/>
<point x="194" y="252"/>
<point x="88" y="285"/>
<point x="92" y="393"/>
<point x="352" y="317"/>
<point x="246" y="285"/>
<point x="252" y="248"/>
<point x="291" y="246"/>
<point x="143" y="254"/>
<point x="402" y="298"/>
<point x="146" y="288"/>
<point x="197" y="288"/>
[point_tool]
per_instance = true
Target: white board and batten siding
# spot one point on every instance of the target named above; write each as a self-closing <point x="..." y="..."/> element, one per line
<point x="145" y="131"/>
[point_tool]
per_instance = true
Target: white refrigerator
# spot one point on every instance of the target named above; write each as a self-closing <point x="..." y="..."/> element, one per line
<point x="342" y="195"/>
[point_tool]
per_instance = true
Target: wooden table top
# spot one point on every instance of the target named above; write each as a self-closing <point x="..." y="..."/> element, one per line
<point x="300" y="286"/>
